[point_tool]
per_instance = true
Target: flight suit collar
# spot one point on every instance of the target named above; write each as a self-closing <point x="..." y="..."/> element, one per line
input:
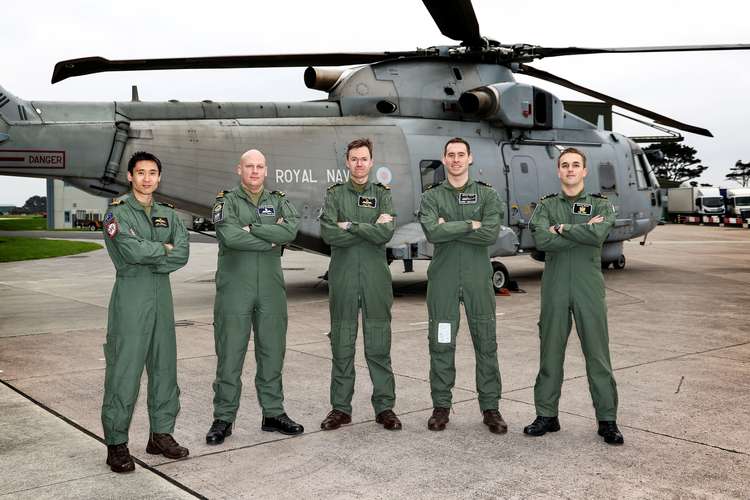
<point x="135" y="204"/>
<point x="350" y="186"/>
<point x="240" y="191"/>
<point x="468" y="185"/>
<point x="583" y="195"/>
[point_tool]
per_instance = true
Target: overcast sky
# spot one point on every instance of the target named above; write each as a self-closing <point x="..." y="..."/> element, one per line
<point x="708" y="89"/>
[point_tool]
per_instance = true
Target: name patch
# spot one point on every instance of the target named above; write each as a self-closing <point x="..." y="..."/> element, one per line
<point x="266" y="210"/>
<point x="217" y="214"/>
<point x="467" y="198"/>
<point x="367" y="202"/>
<point x="582" y="208"/>
<point x="160" y="221"/>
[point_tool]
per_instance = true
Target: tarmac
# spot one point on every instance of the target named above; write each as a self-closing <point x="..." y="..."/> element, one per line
<point x="680" y="344"/>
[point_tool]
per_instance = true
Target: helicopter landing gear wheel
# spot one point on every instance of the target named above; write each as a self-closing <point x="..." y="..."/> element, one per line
<point x="500" y="276"/>
<point x="619" y="263"/>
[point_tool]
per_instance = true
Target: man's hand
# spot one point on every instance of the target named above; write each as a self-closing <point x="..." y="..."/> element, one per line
<point x="246" y="228"/>
<point x="475" y="224"/>
<point x="596" y="219"/>
<point x="384" y="219"/>
<point x="552" y="229"/>
<point x="280" y="221"/>
<point x="344" y="225"/>
<point x="169" y="247"/>
<point x="441" y="220"/>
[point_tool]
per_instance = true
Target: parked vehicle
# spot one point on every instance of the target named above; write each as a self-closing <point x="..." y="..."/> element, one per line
<point x="737" y="202"/>
<point x="695" y="201"/>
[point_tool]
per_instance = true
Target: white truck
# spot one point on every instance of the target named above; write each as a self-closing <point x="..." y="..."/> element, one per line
<point x="737" y="202"/>
<point x="695" y="201"/>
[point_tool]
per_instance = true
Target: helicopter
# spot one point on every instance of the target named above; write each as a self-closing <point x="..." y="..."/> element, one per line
<point x="409" y="103"/>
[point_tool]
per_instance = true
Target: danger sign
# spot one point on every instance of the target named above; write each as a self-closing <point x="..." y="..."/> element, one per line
<point x="31" y="158"/>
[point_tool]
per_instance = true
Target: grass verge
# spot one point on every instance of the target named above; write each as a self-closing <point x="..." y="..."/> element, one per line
<point x="13" y="249"/>
<point x="22" y="223"/>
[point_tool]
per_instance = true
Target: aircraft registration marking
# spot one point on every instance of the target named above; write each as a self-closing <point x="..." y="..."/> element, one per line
<point x="31" y="158"/>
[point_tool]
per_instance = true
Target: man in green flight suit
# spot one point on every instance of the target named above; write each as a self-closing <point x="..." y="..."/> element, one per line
<point x="570" y="227"/>
<point x="357" y="222"/>
<point x="252" y="226"/>
<point x="461" y="217"/>
<point x="146" y="241"/>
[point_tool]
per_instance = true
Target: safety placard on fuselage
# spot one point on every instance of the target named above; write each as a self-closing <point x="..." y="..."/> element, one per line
<point x="31" y="158"/>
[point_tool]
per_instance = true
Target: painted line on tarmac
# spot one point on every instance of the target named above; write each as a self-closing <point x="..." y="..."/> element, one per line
<point x="90" y="434"/>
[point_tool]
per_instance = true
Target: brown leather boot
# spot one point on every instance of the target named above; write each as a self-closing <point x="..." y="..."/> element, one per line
<point x="388" y="420"/>
<point x="495" y="422"/>
<point x="119" y="459"/>
<point x="439" y="419"/>
<point x="334" y="420"/>
<point x="164" y="444"/>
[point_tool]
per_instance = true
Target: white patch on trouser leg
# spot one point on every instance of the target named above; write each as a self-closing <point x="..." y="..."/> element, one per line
<point x="444" y="333"/>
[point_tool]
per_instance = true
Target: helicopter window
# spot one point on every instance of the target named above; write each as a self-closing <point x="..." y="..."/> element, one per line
<point x="641" y="171"/>
<point x="607" y="179"/>
<point x="457" y="74"/>
<point x="432" y="172"/>
<point x="524" y="168"/>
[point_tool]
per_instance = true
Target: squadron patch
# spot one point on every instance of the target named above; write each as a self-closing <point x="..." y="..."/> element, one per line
<point x="110" y="225"/>
<point x="160" y="221"/>
<point x="467" y="198"/>
<point x="582" y="208"/>
<point x="217" y="213"/>
<point x="266" y="210"/>
<point x="367" y="202"/>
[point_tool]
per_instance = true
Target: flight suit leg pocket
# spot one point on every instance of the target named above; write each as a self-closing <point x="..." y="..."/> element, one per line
<point x="485" y="335"/>
<point x="377" y="337"/>
<point x="442" y="335"/>
<point x="343" y="337"/>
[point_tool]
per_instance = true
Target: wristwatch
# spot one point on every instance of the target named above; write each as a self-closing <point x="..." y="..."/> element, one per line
<point x="557" y="228"/>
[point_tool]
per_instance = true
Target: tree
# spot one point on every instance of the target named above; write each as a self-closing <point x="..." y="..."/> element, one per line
<point x="35" y="204"/>
<point x="740" y="172"/>
<point x="677" y="162"/>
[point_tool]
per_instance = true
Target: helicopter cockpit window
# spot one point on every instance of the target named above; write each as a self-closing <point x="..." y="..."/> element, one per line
<point x="607" y="179"/>
<point x="432" y="172"/>
<point x="641" y="171"/>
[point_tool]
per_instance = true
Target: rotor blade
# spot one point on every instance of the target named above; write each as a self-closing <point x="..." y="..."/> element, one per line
<point x="456" y="19"/>
<point x="661" y="119"/>
<point x="539" y="52"/>
<point x="90" y="65"/>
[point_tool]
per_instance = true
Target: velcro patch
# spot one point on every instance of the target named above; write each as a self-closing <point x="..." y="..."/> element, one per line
<point x="367" y="202"/>
<point x="582" y="208"/>
<point x="217" y="214"/>
<point x="160" y="221"/>
<point x="467" y="198"/>
<point x="266" y="210"/>
<point x="112" y="228"/>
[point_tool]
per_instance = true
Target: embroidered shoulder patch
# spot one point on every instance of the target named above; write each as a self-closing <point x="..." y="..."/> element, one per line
<point x="279" y="193"/>
<point x="485" y="184"/>
<point x="384" y="186"/>
<point x="166" y="204"/>
<point x="599" y="195"/>
<point x="115" y="202"/>
<point x="111" y="226"/>
<point x="217" y="213"/>
<point x="334" y="185"/>
<point x="549" y="196"/>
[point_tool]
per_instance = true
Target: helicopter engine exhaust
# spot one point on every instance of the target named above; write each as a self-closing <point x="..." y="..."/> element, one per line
<point x="322" y="78"/>
<point x="477" y="102"/>
<point x="514" y="104"/>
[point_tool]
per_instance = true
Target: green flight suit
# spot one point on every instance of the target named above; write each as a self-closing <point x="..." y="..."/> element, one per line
<point x="572" y="283"/>
<point x="140" y="323"/>
<point x="250" y="293"/>
<point x="359" y="277"/>
<point x="460" y="271"/>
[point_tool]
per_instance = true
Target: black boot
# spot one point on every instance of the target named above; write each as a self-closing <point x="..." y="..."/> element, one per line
<point x="542" y="425"/>
<point x="283" y="424"/>
<point x="119" y="459"/>
<point x="218" y="431"/>
<point x="609" y="431"/>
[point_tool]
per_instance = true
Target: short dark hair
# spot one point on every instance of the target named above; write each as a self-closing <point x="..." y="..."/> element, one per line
<point x="572" y="151"/>
<point x="142" y="156"/>
<point x="457" y="140"/>
<point x="362" y="142"/>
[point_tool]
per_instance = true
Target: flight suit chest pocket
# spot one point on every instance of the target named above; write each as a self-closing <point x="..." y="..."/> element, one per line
<point x="161" y="227"/>
<point x="267" y="213"/>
